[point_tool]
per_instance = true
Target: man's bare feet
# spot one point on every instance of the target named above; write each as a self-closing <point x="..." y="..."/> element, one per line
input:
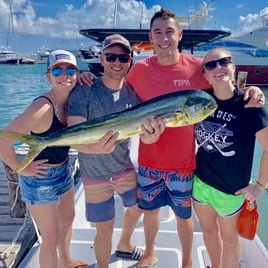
<point x="147" y="262"/>
<point x="74" y="264"/>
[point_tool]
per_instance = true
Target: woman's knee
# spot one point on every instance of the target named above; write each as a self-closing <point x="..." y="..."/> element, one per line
<point x="50" y="240"/>
<point x="67" y="218"/>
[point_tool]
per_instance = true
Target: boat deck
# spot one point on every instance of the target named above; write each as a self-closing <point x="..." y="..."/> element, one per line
<point x="190" y="39"/>
<point x="167" y="246"/>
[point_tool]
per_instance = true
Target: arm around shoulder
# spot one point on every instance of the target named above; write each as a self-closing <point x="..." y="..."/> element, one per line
<point x="256" y="95"/>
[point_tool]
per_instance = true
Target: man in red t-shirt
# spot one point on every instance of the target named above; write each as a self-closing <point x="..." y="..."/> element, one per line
<point x="166" y="167"/>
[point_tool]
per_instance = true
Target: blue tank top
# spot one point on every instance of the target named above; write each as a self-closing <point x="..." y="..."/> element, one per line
<point x="55" y="155"/>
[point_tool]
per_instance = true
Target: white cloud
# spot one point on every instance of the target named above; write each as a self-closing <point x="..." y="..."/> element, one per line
<point x="250" y="22"/>
<point x="66" y="24"/>
<point x="69" y="7"/>
<point x="240" y="6"/>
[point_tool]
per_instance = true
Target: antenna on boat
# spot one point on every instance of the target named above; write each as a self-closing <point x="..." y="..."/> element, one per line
<point x="10" y="20"/>
<point x="142" y="2"/>
<point x="188" y="16"/>
<point x="115" y="2"/>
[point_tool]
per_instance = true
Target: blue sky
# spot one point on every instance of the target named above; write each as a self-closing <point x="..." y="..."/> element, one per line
<point x="56" y="23"/>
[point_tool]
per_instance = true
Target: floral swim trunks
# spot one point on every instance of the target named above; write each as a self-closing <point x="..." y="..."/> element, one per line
<point x="160" y="188"/>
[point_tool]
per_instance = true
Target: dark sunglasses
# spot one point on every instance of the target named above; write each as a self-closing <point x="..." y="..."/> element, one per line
<point x="211" y="65"/>
<point x="111" y="57"/>
<point x="70" y="71"/>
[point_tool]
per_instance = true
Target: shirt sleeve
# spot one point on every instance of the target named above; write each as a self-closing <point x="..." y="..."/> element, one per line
<point x="78" y="102"/>
<point x="258" y="118"/>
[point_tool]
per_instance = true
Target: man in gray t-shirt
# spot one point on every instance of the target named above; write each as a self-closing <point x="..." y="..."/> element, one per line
<point x="98" y="101"/>
<point x="105" y="166"/>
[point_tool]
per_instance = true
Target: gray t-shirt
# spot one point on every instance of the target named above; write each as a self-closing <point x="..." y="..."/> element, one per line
<point x="93" y="102"/>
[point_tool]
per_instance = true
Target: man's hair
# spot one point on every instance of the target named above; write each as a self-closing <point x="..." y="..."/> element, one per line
<point x="164" y="14"/>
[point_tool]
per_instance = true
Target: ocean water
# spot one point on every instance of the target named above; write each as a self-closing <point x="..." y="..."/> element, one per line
<point x="20" y="84"/>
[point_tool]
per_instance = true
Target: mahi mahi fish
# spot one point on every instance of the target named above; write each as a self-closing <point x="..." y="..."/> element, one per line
<point x="180" y="108"/>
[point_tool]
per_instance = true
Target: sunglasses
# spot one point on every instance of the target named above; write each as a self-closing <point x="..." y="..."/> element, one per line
<point x="111" y="57"/>
<point x="211" y="65"/>
<point x="70" y="71"/>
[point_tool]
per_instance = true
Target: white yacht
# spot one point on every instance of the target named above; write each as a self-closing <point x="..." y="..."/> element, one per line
<point x="8" y="56"/>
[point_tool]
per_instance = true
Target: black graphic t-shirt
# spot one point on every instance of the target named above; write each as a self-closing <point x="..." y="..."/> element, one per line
<point x="226" y="141"/>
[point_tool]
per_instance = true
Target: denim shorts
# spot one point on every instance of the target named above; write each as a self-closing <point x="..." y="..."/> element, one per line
<point x="156" y="189"/>
<point x="37" y="191"/>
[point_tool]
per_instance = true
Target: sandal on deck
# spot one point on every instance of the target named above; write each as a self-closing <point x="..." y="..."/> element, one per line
<point x="135" y="255"/>
<point x="81" y="264"/>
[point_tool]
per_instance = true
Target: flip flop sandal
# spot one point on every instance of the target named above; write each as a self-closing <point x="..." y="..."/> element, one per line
<point x="134" y="255"/>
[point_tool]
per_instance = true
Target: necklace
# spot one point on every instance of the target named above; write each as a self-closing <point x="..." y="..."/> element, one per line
<point x="56" y="108"/>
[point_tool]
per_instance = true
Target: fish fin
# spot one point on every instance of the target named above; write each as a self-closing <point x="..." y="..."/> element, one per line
<point x="174" y="119"/>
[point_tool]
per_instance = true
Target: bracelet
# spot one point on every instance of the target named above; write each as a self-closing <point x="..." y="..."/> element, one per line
<point x="260" y="185"/>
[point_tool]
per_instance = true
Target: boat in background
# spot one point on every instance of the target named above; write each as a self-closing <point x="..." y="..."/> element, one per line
<point x="41" y="55"/>
<point x="27" y="60"/>
<point x="195" y="20"/>
<point x="250" y="53"/>
<point x="257" y="37"/>
<point x="255" y="66"/>
<point x="8" y="56"/>
<point x="250" y="50"/>
<point x="141" y="47"/>
<point x="247" y="58"/>
<point x="91" y="52"/>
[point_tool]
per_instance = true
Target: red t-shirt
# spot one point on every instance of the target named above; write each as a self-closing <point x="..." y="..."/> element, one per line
<point x="175" y="150"/>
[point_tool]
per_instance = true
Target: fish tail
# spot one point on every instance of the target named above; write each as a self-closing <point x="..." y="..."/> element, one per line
<point x="26" y="138"/>
<point x="32" y="153"/>
<point x="35" y="146"/>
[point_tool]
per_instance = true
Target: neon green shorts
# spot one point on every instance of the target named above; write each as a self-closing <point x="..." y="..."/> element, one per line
<point x="225" y="204"/>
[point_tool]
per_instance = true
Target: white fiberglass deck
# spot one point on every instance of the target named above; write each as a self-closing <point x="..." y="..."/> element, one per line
<point x="167" y="247"/>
